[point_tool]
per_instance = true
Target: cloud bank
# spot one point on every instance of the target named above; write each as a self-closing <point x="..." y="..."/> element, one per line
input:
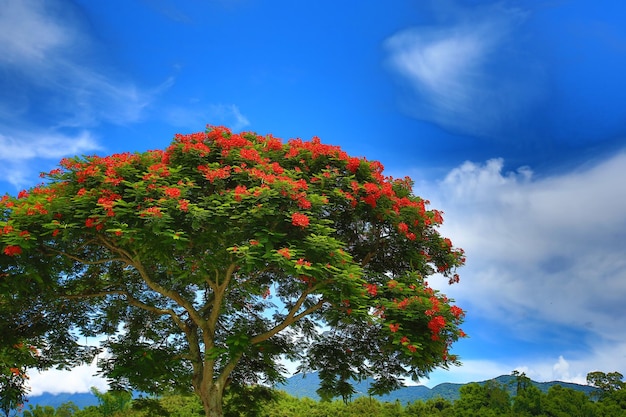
<point x="545" y="259"/>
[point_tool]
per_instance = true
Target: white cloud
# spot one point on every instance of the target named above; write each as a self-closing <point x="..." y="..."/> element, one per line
<point x="56" y="88"/>
<point x="28" y="34"/>
<point x="21" y="152"/>
<point x="52" y="71"/>
<point x="543" y="255"/>
<point x="540" y="370"/>
<point x="471" y="371"/>
<point x="79" y="379"/>
<point x="44" y="145"/>
<point x="466" y="74"/>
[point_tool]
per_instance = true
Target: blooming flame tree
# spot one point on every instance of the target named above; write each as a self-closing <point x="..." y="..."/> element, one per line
<point x="207" y="263"/>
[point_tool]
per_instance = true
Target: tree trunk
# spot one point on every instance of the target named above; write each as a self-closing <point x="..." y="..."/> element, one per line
<point x="212" y="400"/>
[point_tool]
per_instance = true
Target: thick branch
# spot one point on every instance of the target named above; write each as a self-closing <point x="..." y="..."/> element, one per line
<point x="85" y="261"/>
<point x="173" y="295"/>
<point x="291" y="318"/>
<point x="219" y="292"/>
<point x="134" y="302"/>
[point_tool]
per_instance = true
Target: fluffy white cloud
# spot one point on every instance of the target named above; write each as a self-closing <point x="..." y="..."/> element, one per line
<point x="543" y="254"/>
<point x="79" y="379"/>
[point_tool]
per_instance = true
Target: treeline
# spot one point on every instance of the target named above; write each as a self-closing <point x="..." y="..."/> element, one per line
<point x="490" y="399"/>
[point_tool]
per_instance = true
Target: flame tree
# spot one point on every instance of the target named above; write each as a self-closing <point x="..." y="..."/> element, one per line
<point x="207" y="263"/>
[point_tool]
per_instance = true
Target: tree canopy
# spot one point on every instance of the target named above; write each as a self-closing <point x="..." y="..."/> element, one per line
<point x="208" y="262"/>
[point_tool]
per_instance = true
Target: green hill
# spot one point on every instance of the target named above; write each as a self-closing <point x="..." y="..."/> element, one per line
<point x="306" y="386"/>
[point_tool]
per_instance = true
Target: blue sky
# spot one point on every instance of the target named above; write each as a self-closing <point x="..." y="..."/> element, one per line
<point x="509" y="115"/>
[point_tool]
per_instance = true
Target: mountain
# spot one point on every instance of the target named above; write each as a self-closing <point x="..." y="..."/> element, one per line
<point x="81" y="399"/>
<point x="306" y="385"/>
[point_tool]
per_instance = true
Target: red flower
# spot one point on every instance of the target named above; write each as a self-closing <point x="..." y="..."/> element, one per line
<point x="372" y="289"/>
<point x="403" y="227"/>
<point x="457" y="311"/>
<point x="183" y="205"/>
<point x="353" y="164"/>
<point x="411" y="348"/>
<point x="250" y="155"/>
<point x="436" y="324"/>
<point x="394" y="327"/>
<point x="454" y="279"/>
<point x="301" y="261"/>
<point x="303" y="203"/>
<point x="12" y="250"/>
<point x="240" y="191"/>
<point x="152" y="211"/>
<point x="284" y="252"/>
<point x="299" y="219"/>
<point x="403" y="304"/>
<point x="172" y="192"/>
<point x="254" y="242"/>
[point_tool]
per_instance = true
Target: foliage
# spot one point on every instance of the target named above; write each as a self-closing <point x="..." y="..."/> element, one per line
<point x="64" y="410"/>
<point x="607" y="384"/>
<point x="13" y="378"/>
<point x="112" y="402"/>
<point x="207" y="262"/>
<point x="477" y="400"/>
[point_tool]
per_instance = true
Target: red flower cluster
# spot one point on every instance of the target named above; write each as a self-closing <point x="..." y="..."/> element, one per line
<point x="172" y="192"/>
<point x="12" y="250"/>
<point x="152" y="212"/>
<point x="303" y="262"/>
<point x="284" y="252"/>
<point x="457" y="312"/>
<point x="436" y="324"/>
<point x="240" y="192"/>
<point x="372" y="289"/>
<point x="300" y="220"/>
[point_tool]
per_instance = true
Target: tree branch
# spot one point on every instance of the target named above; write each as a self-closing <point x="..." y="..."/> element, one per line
<point x="171" y="294"/>
<point x="291" y="318"/>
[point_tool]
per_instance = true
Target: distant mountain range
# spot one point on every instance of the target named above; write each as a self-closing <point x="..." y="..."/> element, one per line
<point x="81" y="399"/>
<point x="305" y="386"/>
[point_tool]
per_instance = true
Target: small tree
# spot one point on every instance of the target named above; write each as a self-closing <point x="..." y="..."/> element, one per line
<point x="490" y="398"/>
<point x="208" y="262"/>
<point x="13" y="387"/>
<point x="606" y="384"/>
